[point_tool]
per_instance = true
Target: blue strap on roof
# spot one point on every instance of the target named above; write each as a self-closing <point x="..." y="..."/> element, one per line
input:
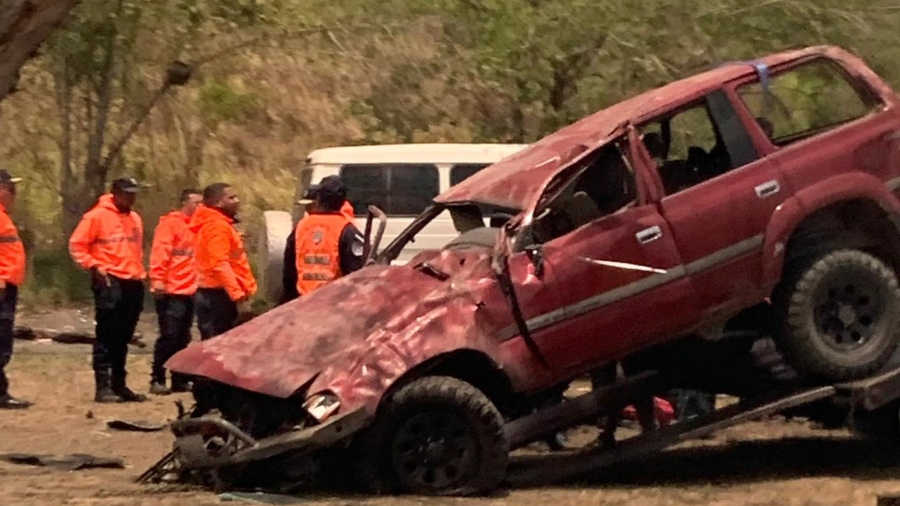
<point x="763" y="71"/>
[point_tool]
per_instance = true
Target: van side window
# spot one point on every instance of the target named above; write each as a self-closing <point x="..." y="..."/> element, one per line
<point x="462" y="171"/>
<point x="397" y="189"/>
<point x="805" y="100"/>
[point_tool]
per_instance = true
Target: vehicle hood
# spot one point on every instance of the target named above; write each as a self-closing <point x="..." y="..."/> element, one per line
<point x="358" y="334"/>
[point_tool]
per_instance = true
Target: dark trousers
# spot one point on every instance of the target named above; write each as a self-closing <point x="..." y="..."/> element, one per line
<point x="216" y="312"/>
<point x="176" y="314"/>
<point x="7" y="319"/>
<point x="118" y="308"/>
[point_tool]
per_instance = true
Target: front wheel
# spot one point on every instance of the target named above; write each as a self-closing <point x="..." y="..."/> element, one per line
<point x="838" y="315"/>
<point x="435" y="436"/>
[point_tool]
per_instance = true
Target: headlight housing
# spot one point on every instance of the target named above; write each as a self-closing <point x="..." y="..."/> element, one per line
<point x="321" y="406"/>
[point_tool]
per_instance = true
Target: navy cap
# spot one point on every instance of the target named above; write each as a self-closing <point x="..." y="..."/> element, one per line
<point x="6" y="177"/>
<point x="332" y="186"/>
<point x="126" y="184"/>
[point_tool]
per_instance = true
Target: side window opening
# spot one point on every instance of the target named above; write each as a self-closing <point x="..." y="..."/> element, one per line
<point x="397" y="189"/>
<point x="805" y="100"/>
<point x="698" y="142"/>
<point x="687" y="148"/>
<point x="604" y="185"/>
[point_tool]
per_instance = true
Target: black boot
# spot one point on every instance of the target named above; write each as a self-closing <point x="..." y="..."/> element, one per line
<point x="104" y="389"/>
<point x="181" y="382"/>
<point x="125" y="393"/>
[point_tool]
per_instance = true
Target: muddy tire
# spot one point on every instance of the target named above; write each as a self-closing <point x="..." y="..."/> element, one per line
<point x="435" y="436"/>
<point x="837" y="315"/>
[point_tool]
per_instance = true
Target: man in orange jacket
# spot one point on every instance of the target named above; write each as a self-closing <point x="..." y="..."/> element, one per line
<point x="12" y="274"/>
<point x="173" y="282"/>
<point x="109" y="243"/>
<point x="224" y="279"/>
<point x="328" y="243"/>
<point x="289" y="270"/>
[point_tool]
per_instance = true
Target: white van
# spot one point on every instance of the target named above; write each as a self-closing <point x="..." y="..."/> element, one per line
<point x="401" y="179"/>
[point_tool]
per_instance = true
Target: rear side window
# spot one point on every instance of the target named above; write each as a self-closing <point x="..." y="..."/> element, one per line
<point x="463" y="171"/>
<point x="807" y="100"/>
<point x="397" y="189"/>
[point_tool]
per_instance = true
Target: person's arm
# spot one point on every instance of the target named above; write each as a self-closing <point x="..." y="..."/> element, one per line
<point x="289" y="270"/>
<point x="218" y="244"/>
<point x="350" y="249"/>
<point x="161" y="255"/>
<point x="80" y="243"/>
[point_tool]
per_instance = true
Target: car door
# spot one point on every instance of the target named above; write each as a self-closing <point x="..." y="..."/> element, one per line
<point x="719" y="216"/>
<point x="611" y="285"/>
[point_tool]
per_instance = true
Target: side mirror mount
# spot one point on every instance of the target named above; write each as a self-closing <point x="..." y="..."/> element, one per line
<point x="370" y="248"/>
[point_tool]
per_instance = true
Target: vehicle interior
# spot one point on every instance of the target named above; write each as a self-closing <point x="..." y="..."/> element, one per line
<point x="603" y="184"/>
<point x="687" y="148"/>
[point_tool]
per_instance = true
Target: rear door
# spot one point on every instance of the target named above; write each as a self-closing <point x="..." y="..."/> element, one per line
<point x="718" y="198"/>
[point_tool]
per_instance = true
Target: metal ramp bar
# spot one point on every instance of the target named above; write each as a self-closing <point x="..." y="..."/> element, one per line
<point x="540" y="470"/>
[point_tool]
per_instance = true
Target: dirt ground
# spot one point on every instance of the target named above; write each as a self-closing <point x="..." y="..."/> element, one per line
<point x="763" y="463"/>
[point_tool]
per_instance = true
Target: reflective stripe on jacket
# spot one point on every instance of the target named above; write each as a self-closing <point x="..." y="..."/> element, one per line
<point x="172" y="255"/>
<point x="318" y="239"/>
<point x="111" y="240"/>
<point x="12" y="252"/>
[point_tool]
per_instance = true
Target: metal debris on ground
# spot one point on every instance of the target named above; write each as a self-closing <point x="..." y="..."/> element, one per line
<point x="136" y="425"/>
<point x="72" y="462"/>
<point x="259" y="498"/>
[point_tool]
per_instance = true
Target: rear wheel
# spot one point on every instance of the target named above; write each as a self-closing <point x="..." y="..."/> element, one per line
<point x="435" y="436"/>
<point x="838" y="315"/>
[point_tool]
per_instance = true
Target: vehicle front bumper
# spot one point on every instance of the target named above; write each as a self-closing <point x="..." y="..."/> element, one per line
<point x="193" y="435"/>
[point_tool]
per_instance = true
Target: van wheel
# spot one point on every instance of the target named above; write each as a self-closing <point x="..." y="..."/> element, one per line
<point x="838" y="315"/>
<point x="435" y="436"/>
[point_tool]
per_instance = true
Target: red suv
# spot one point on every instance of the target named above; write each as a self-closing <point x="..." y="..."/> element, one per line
<point x="757" y="194"/>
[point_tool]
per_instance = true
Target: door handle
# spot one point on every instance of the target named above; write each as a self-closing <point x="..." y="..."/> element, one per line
<point x="767" y="189"/>
<point x="648" y="234"/>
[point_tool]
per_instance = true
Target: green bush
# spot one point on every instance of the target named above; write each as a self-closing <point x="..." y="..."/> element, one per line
<point x="53" y="278"/>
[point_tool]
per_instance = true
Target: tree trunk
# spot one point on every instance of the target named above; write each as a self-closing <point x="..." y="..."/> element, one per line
<point x="24" y="24"/>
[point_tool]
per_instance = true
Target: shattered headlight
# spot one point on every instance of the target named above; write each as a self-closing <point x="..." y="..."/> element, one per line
<point x="321" y="406"/>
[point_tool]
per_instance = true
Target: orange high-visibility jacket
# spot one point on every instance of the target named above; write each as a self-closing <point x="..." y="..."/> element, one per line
<point x="12" y="252"/>
<point x="110" y="240"/>
<point x="219" y="254"/>
<point x="318" y="259"/>
<point x="347" y="210"/>
<point x="172" y="255"/>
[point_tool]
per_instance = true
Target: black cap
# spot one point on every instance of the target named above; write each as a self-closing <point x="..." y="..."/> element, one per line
<point x="310" y="196"/>
<point x="6" y="177"/>
<point x="126" y="184"/>
<point x="332" y="186"/>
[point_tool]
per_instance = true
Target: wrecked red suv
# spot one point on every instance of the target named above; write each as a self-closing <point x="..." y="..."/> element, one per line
<point x="754" y="197"/>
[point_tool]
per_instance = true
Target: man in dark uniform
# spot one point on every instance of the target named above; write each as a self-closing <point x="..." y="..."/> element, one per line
<point x="328" y="244"/>
<point x="12" y="274"/>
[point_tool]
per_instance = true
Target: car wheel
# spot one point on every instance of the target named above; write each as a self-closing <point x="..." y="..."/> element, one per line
<point x="837" y="315"/>
<point x="435" y="436"/>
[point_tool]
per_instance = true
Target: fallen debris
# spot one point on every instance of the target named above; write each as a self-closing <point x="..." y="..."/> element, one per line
<point x="65" y="337"/>
<point x="136" y="425"/>
<point x="259" y="498"/>
<point x="72" y="462"/>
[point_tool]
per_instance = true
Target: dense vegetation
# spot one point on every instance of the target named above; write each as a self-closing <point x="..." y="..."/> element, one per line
<point x="274" y="79"/>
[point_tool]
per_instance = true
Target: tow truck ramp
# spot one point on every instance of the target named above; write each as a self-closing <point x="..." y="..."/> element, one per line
<point x="866" y="395"/>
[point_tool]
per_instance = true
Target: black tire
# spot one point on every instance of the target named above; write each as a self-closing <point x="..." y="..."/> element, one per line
<point x="392" y="453"/>
<point x="837" y="315"/>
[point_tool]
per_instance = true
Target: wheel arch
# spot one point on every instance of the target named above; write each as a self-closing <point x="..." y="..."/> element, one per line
<point x="849" y="211"/>
<point x="469" y="365"/>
